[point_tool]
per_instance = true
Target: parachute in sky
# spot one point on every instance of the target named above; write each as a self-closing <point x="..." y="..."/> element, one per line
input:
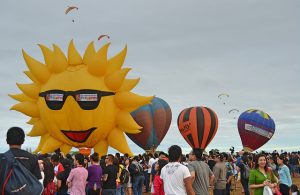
<point x="198" y="126"/>
<point x="255" y="128"/>
<point x="70" y="8"/>
<point x="102" y="36"/>
<point x="233" y="112"/>
<point x="155" y="120"/>
<point x="222" y="97"/>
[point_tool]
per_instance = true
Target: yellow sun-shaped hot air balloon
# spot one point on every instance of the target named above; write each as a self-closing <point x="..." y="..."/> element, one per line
<point x="79" y="102"/>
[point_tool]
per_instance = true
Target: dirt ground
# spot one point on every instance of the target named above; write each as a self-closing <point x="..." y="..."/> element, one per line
<point x="238" y="189"/>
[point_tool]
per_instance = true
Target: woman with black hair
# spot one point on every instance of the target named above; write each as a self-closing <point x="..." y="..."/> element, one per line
<point x="102" y="162"/>
<point x="271" y="163"/>
<point x="49" y="185"/>
<point x="147" y="170"/>
<point x="69" y="157"/>
<point x="158" y="182"/>
<point x="284" y="175"/>
<point x="295" y="190"/>
<point x="261" y="176"/>
<point x="62" y="188"/>
<point x="128" y="188"/>
<point x="86" y="162"/>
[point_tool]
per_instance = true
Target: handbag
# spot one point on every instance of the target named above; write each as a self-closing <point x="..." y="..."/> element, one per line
<point x="267" y="191"/>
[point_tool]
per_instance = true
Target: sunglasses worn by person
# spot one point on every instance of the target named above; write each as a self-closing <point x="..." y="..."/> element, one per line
<point x="87" y="99"/>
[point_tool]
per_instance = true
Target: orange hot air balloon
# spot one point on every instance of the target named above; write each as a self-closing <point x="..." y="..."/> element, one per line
<point x="85" y="151"/>
<point x="198" y="126"/>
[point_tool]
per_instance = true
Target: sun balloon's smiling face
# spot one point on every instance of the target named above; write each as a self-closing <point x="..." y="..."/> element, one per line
<point x="79" y="102"/>
<point x="77" y="108"/>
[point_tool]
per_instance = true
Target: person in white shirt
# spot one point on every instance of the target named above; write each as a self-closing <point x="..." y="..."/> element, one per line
<point x="176" y="177"/>
<point x="152" y="160"/>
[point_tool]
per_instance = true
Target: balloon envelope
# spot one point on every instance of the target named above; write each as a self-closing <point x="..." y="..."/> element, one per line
<point x="155" y="120"/>
<point x="85" y="151"/>
<point x="255" y="128"/>
<point x="198" y="126"/>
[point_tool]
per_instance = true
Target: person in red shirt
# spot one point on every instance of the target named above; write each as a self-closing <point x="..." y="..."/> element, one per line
<point x="58" y="167"/>
<point x="158" y="185"/>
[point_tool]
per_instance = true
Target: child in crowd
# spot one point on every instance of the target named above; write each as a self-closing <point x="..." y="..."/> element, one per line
<point x="294" y="190"/>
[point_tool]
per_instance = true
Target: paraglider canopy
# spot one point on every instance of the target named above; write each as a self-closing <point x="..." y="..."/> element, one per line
<point x="223" y="96"/>
<point x="102" y="36"/>
<point x="233" y="112"/>
<point x="70" y="8"/>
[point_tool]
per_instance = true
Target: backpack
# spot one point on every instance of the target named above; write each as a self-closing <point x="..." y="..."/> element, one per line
<point x="18" y="180"/>
<point x="139" y="169"/>
<point x="246" y="172"/>
<point x="135" y="169"/>
<point x="124" y="176"/>
<point x="50" y="189"/>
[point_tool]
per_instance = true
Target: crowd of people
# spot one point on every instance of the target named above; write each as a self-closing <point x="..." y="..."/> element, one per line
<point x="160" y="173"/>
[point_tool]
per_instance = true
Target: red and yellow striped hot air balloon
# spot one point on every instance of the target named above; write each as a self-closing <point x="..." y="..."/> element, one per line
<point x="198" y="126"/>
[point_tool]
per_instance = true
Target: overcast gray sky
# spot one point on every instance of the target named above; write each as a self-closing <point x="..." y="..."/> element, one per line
<point x="186" y="52"/>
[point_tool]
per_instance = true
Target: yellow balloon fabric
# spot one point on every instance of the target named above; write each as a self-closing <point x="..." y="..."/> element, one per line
<point x="79" y="102"/>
